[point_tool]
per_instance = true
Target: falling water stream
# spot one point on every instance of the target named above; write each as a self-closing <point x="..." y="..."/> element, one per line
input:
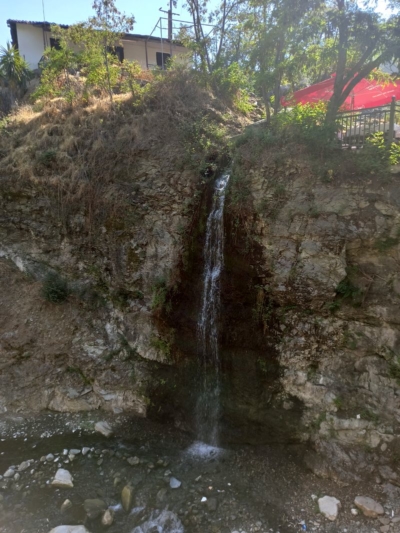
<point x="208" y="403"/>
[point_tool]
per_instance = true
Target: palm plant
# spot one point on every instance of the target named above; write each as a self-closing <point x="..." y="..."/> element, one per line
<point x="14" y="70"/>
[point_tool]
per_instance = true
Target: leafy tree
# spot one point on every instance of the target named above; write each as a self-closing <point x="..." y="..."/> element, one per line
<point x="14" y="70"/>
<point x="111" y="24"/>
<point x="363" y="42"/>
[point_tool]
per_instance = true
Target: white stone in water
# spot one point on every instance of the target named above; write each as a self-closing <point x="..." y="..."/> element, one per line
<point x="62" y="479"/>
<point x="133" y="461"/>
<point x="368" y="506"/>
<point x="174" y="483"/>
<point x="329" y="507"/>
<point x="49" y="457"/>
<point x="17" y="477"/>
<point x="104" y="428"/>
<point x="65" y="452"/>
<point x="85" y="450"/>
<point x="67" y="504"/>
<point x="108" y="517"/>
<point x="69" y="529"/>
<point x="9" y="473"/>
<point x="354" y="512"/>
<point x="75" y="451"/>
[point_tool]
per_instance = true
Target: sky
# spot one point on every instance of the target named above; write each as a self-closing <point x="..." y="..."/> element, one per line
<point x="146" y="13"/>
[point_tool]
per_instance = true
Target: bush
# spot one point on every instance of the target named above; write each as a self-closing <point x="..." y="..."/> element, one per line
<point x="55" y="288"/>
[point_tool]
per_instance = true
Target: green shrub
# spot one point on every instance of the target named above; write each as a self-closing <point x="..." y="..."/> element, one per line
<point x="55" y="288"/>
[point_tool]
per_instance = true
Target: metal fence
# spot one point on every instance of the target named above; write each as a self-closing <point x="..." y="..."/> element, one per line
<point x="354" y="127"/>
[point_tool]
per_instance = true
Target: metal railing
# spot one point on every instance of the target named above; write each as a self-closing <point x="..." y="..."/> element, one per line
<point x="354" y="127"/>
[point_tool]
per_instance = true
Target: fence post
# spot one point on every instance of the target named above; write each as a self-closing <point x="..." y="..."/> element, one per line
<point x="391" y="120"/>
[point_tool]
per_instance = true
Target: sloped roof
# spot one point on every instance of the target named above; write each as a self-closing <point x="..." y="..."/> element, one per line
<point x="47" y="25"/>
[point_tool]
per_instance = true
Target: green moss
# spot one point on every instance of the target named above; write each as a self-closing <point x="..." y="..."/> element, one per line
<point x="55" y="288"/>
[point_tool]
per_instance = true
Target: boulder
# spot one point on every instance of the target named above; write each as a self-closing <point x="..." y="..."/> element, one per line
<point x="62" y="479"/>
<point x="368" y="506"/>
<point x="127" y="497"/>
<point x="104" y="428"/>
<point x="94" y="508"/>
<point x="329" y="507"/>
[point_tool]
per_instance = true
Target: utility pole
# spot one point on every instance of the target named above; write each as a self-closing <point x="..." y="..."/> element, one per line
<point x="169" y="14"/>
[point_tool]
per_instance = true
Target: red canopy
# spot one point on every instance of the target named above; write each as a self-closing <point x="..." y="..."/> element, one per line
<point x="366" y="94"/>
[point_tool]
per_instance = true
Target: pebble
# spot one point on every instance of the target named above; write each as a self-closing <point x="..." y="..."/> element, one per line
<point x="24" y="466"/>
<point x="49" y="457"/>
<point x="133" y="461"/>
<point x="9" y="473"/>
<point x="67" y="504"/>
<point x="368" y="506"/>
<point x="174" y="483"/>
<point x="104" y="428"/>
<point x="329" y="507"/>
<point x="108" y="518"/>
<point x="62" y="479"/>
<point x="85" y="450"/>
<point x="127" y="497"/>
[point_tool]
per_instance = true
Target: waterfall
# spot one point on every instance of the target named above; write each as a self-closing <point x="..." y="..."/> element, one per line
<point x="208" y="403"/>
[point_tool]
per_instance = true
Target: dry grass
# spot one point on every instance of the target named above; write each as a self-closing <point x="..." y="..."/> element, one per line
<point x="82" y="157"/>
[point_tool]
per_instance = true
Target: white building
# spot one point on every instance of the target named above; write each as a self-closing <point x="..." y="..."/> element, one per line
<point x="32" y="38"/>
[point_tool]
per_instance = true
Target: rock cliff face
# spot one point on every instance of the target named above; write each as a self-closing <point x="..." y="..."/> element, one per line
<point x="329" y="270"/>
<point x="90" y="351"/>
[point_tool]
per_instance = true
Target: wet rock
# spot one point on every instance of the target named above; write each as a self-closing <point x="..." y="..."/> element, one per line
<point x="75" y="451"/>
<point x="368" y="506"/>
<point x="67" y="504"/>
<point x="69" y="529"/>
<point x="85" y="450"/>
<point x="62" y="479"/>
<point x="127" y="497"/>
<point x="94" y="508"/>
<point x="174" y="483"/>
<point x="329" y="507"/>
<point x="161" y="521"/>
<point x="24" y="466"/>
<point x="9" y="473"/>
<point x="162" y="496"/>
<point x="108" y="518"/>
<point x="104" y="428"/>
<point x="17" y="477"/>
<point x="49" y="457"/>
<point x="133" y="461"/>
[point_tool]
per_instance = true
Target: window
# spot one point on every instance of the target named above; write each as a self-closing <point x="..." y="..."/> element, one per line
<point x="117" y="51"/>
<point x="55" y="43"/>
<point x="162" y="59"/>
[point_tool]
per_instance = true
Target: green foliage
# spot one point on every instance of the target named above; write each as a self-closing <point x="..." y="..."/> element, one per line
<point x="347" y="290"/>
<point x="394" y="368"/>
<point x="161" y="345"/>
<point x="160" y="292"/>
<point x="55" y="288"/>
<point x="234" y="84"/>
<point x="385" y="244"/>
<point x="338" y="402"/>
<point x="14" y="70"/>
<point x="47" y="157"/>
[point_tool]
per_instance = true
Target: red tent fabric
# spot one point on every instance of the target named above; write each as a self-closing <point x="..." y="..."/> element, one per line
<point x="366" y="94"/>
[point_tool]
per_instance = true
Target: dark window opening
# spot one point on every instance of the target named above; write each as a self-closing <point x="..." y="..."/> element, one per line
<point x="162" y="59"/>
<point x="117" y="51"/>
<point x="55" y="43"/>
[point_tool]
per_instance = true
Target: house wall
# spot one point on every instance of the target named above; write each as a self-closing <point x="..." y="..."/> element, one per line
<point x="30" y="43"/>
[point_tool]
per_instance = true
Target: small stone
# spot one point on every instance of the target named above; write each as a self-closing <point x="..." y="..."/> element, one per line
<point x="354" y="512"/>
<point x="384" y="520"/>
<point x="368" y="506"/>
<point x="75" y="451"/>
<point x="329" y="507"/>
<point x="133" y="461"/>
<point x="161" y="495"/>
<point x="24" y="466"/>
<point x="384" y="447"/>
<point x="71" y="457"/>
<point x="65" y="452"/>
<point x="108" y="518"/>
<point x="384" y="529"/>
<point x="17" y="477"/>
<point x="100" y="462"/>
<point x="9" y="473"/>
<point x="104" y="428"/>
<point x="127" y="497"/>
<point x="395" y="519"/>
<point x="174" y="483"/>
<point x="67" y="504"/>
<point x="62" y="479"/>
<point x="85" y="450"/>
<point x="49" y="457"/>
<point x="94" y="508"/>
